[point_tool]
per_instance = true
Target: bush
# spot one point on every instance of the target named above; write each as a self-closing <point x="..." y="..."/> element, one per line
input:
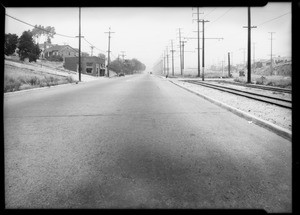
<point x="11" y="84"/>
<point x="34" y="81"/>
<point x="56" y="58"/>
<point x="69" y="79"/>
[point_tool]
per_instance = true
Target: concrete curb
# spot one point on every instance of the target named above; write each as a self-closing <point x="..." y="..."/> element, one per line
<point x="260" y="122"/>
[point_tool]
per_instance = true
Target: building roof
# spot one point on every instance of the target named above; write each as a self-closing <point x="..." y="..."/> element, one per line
<point x="59" y="48"/>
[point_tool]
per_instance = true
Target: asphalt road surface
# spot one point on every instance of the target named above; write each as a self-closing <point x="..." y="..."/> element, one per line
<point x="138" y="142"/>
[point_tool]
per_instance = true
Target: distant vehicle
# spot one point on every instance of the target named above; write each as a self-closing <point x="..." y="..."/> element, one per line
<point x="122" y="74"/>
<point x="150" y="72"/>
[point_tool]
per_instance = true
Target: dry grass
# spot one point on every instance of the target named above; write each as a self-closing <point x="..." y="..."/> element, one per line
<point x="277" y="81"/>
<point x="16" y="78"/>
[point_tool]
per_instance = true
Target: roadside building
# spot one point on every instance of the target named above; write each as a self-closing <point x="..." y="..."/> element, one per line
<point x="63" y="51"/>
<point x="43" y="47"/>
<point x="94" y="66"/>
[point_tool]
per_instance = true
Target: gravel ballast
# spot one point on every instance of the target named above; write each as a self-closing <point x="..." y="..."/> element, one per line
<point x="279" y="116"/>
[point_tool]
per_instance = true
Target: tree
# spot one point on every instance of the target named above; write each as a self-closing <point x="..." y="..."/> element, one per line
<point x="116" y="66"/>
<point x="10" y="44"/>
<point x="50" y="32"/>
<point x="27" y="48"/>
<point x="40" y="30"/>
<point x="127" y="67"/>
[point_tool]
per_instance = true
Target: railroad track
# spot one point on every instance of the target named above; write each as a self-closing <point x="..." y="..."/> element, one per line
<point x="276" y="89"/>
<point x="264" y="98"/>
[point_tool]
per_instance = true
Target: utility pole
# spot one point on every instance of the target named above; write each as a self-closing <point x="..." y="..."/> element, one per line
<point x="92" y="47"/>
<point x="249" y="45"/>
<point x="167" y="62"/>
<point x="79" y="57"/>
<point x="108" y="57"/>
<point x="203" y="21"/>
<point x="182" y="50"/>
<point x="253" y="57"/>
<point x="271" y="63"/>
<point x="222" y="67"/>
<point x="164" y="62"/>
<point x="172" y="50"/>
<point x="198" y="33"/>
<point x="180" y="53"/>
<point x="229" y="65"/>
<point x="231" y="55"/>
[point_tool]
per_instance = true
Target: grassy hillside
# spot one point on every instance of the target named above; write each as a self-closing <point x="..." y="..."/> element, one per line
<point x="17" y="77"/>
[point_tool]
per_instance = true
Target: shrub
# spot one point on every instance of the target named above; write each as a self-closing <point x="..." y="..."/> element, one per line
<point x="70" y="79"/>
<point x="56" y="58"/>
<point x="11" y="84"/>
<point x="34" y="80"/>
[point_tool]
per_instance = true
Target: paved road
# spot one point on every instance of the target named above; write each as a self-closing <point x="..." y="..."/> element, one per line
<point x="138" y="142"/>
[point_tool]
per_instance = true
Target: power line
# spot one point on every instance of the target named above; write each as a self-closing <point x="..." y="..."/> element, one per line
<point x="209" y="12"/>
<point x="93" y="45"/>
<point x="220" y="16"/>
<point x="38" y="27"/>
<point x="273" y="19"/>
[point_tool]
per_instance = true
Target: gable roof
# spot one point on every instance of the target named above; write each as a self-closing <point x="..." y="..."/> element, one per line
<point x="59" y="48"/>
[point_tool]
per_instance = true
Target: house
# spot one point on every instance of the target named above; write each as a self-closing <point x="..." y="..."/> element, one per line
<point x="94" y="66"/>
<point x="63" y="51"/>
<point x="43" y="47"/>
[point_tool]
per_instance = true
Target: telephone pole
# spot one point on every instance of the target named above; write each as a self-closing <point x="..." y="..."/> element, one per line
<point x="108" y="57"/>
<point x="198" y="33"/>
<point x="203" y="38"/>
<point x="79" y="57"/>
<point x="222" y="67"/>
<point x="271" y="63"/>
<point x="164" y="62"/>
<point x="92" y="47"/>
<point x="182" y="50"/>
<point x="203" y="21"/>
<point x="249" y="45"/>
<point x="167" y="62"/>
<point x="180" y="53"/>
<point x="253" y="57"/>
<point x="231" y="56"/>
<point x="229" y="64"/>
<point x="172" y="50"/>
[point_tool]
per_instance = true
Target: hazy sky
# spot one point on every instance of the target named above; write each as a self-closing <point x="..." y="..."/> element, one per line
<point x="145" y="32"/>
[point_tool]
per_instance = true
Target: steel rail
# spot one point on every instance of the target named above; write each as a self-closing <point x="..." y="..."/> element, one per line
<point x="276" y="89"/>
<point x="268" y="99"/>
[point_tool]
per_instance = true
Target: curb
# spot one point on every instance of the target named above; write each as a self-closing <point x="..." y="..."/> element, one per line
<point x="285" y="133"/>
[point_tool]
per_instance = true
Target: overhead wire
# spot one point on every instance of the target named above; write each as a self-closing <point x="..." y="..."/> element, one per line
<point x="273" y="19"/>
<point x="221" y="16"/>
<point x="63" y="35"/>
<point x="35" y="26"/>
<point x="209" y="12"/>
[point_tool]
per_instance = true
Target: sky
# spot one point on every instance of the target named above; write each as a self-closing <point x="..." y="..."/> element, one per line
<point x="145" y="33"/>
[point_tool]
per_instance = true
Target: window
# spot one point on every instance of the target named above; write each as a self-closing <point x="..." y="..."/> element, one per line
<point x="89" y="70"/>
<point x="89" y="64"/>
